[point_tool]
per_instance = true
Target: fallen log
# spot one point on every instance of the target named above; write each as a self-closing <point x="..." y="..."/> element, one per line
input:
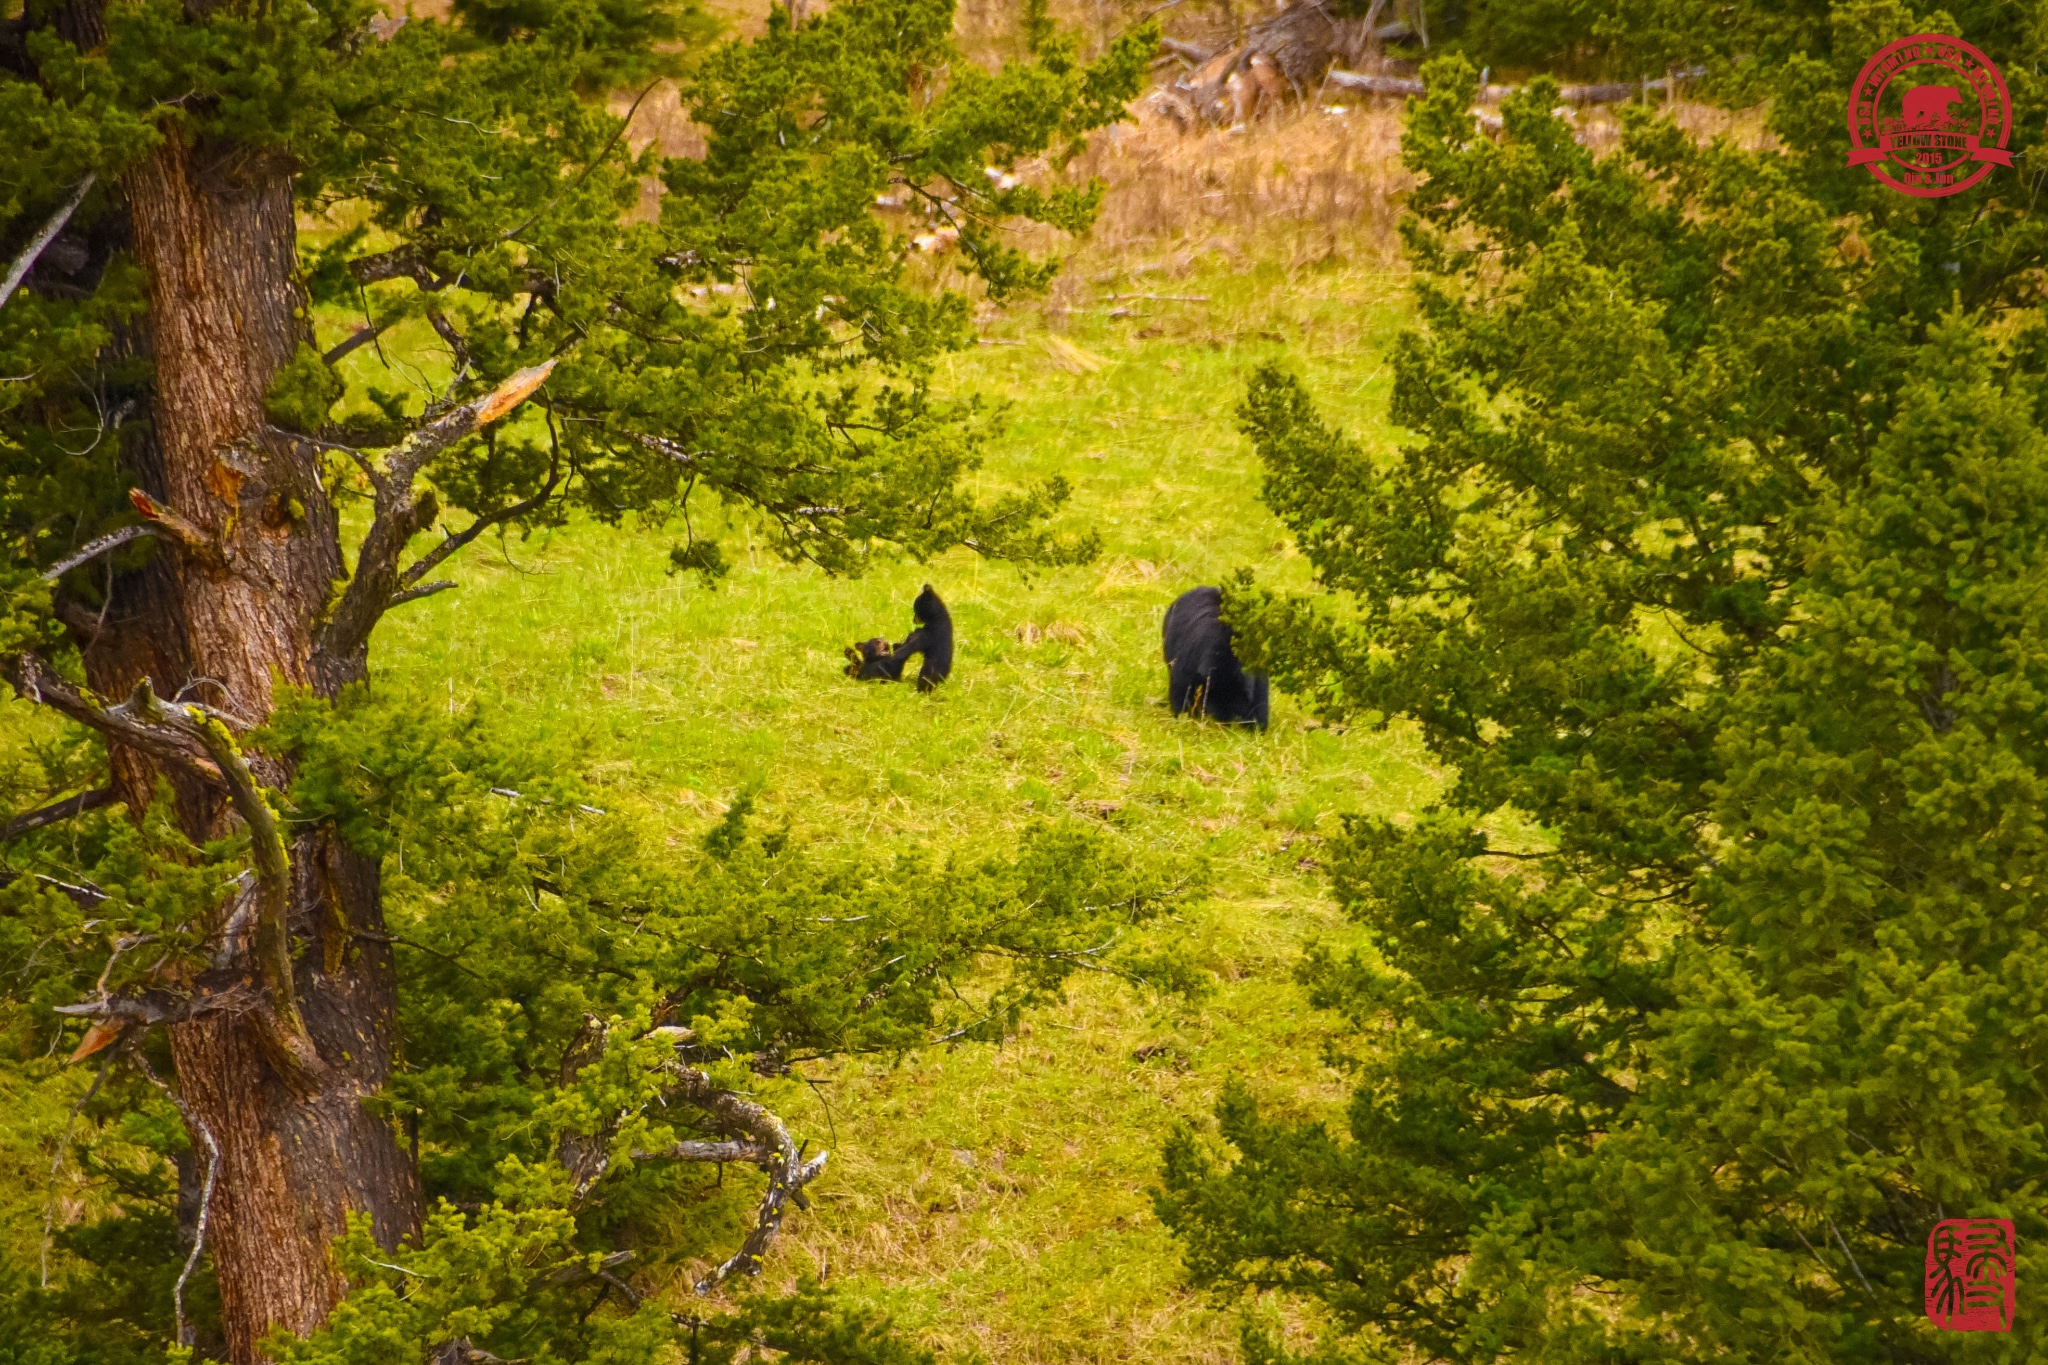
<point x="1611" y="92"/>
<point x="1373" y="85"/>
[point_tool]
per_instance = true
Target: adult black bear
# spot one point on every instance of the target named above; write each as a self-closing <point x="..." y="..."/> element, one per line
<point x="1202" y="672"/>
<point x="932" y="641"/>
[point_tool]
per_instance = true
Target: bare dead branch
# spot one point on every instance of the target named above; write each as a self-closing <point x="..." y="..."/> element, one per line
<point x="578" y="1272"/>
<point x="157" y="1007"/>
<point x="458" y="345"/>
<point x="406" y="263"/>
<point x="195" y="736"/>
<point x="197" y="1127"/>
<point x="459" y="1351"/>
<point x="413" y="453"/>
<point x="400" y="263"/>
<point x="439" y="585"/>
<point x="93" y="549"/>
<point x="357" y="339"/>
<point x="1373" y="85"/>
<point x="661" y="445"/>
<point x="181" y="531"/>
<point x="788" y="1171"/>
<point x="127" y="723"/>
<point x="754" y="1136"/>
<point x="747" y="1153"/>
<point x="55" y="812"/>
<point x="27" y="259"/>
<point x="84" y="896"/>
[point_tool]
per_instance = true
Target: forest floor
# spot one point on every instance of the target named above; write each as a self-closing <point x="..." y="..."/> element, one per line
<point x="995" y="1198"/>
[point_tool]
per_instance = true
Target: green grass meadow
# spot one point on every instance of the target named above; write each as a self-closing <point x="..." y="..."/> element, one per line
<point x="995" y="1198"/>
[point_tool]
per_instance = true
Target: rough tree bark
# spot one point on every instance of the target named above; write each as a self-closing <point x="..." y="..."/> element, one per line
<point x="248" y="553"/>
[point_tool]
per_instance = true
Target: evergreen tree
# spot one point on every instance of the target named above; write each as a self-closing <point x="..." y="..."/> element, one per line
<point x="376" y="1015"/>
<point x="1714" y="572"/>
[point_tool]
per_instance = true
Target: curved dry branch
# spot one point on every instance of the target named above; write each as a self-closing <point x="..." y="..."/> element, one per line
<point x="273" y="940"/>
<point x="754" y="1135"/>
<point x="788" y="1171"/>
<point x="196" y="1126"/>
<point x="113" y="540"/>
<point x="26" y="261"/>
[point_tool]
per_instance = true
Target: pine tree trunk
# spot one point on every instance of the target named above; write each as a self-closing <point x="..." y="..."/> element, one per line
<point x="213" y="227"/>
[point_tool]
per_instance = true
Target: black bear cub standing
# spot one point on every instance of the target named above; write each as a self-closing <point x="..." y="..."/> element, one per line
<point x="1202" y="672"/>
<point x="932" y="640"/>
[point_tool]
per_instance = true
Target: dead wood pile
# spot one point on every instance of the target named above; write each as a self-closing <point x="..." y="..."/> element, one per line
<point x="1297" y="53"/>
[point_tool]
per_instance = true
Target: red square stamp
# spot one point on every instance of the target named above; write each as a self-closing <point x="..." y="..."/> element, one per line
<point x="1971" y="1279"/>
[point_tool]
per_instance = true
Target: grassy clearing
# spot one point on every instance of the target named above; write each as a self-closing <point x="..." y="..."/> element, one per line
<point x="995" y="1198"/>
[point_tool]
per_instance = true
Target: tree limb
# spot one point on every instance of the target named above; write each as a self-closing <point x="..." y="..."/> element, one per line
<point x="458" y="345"/>
<point x="357" y="339"/>
<point x="425" y="564"/>
<point x="749" y="1153"/>
<point x="175" y="732"/>
<point x="197" y="1127"/>
<point x="57" y="811"/>
<point x="400" y="515"/>
<point x="439" y="585"/>
<point x="27" y="259"/>
<point x="188" y="536"/>
<point x="661" y="445"/>
<point x="755" y="1136"/>
<point x="85" y="897"/>
<point x="784" y="1162"/>
<point x="399" y="263"/>
<point x="129" y="723"/>
<point x="412" y="454"/>
<point x="93" y="549"/>
<point x="272" y="939"/>
<point x="151" y="1008"/>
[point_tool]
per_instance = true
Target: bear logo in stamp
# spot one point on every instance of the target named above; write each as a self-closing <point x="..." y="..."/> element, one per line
<point x="1929" y="116"/>
<point x="1971" y="1282"/>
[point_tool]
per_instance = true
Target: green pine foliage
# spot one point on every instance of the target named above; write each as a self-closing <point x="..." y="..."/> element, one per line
<point x="1714" y="571"/>
<point x="551" y="959"/>
<point x="483" y="186"/>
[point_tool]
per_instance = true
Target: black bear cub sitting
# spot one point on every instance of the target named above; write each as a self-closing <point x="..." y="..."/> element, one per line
<point x="932" y="640"/>
<point x="1202" y="672"/>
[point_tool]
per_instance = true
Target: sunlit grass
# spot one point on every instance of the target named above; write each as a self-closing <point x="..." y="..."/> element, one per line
<point x="996" y="1197"/>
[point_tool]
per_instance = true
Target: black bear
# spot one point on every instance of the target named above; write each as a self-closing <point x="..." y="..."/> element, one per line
<point x="1202" y="672"/>
<point x="875" y="660"/>
<point x="932" y="640"/>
